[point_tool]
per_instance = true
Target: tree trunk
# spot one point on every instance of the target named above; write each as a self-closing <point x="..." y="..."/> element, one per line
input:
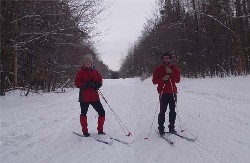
<point x="15" y="71"/>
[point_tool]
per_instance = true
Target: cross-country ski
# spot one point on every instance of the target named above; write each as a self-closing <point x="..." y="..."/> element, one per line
<point x="182" y="136"/>
<point x="167" y="139"/>
<point x="100" y="138"/>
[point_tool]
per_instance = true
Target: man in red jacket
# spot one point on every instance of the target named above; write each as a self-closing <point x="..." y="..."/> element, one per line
<point x="166" y="75"/>
<point x="89" y="80"/>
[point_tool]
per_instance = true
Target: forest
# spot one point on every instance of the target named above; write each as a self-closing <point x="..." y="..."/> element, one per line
<point x="43" y="42"/>
<point x="206" y="38"/>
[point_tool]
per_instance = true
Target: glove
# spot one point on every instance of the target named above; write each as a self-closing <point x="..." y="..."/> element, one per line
<point x="166" y="78"/>
<point x="96" y="85"/>
<point x="87" y="85"/>
<point x="168" y="71"/>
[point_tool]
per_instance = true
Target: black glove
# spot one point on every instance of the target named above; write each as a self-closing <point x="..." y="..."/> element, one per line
<point x="96" y="85"/>
<point x="87" y="85"/>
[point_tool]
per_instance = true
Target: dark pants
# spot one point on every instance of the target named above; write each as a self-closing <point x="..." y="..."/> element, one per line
<point x="96" y="105"/>
<point x="165" y="100"/>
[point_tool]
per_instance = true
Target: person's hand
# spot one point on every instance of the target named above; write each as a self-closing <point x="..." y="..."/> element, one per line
<point x="166" y="78"/>
<point x="168" y="71"/>
<point x="96" y="85"/>
<point x="87" y="85"/>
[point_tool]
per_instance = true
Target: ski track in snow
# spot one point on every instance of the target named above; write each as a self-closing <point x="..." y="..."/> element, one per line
<point x="39" y="128"/>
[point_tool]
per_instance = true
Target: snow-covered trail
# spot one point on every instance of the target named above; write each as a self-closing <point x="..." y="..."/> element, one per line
<point x="39" y="128"/>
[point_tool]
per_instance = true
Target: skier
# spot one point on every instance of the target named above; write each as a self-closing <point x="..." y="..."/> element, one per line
<point x="166" y="75"/>
<point x="89" y="80"/>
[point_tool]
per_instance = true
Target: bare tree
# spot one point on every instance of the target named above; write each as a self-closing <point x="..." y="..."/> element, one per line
<point x="43" y="41"/>
<point x="211" y="38"/>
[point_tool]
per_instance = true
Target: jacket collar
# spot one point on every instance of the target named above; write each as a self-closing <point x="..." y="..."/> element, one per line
<point x="86" y="68"/>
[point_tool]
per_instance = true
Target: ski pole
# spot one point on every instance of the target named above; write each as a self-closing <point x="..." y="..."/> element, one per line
<point x="155" y="112"/>
<point x="176" y="106"/>
<point x="122" y="125"/>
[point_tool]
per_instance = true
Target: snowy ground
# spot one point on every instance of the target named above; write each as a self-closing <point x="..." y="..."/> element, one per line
<point x="39" y="128"/>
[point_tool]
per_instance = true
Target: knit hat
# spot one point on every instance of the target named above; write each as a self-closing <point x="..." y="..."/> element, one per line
<point x="88" y="57"/>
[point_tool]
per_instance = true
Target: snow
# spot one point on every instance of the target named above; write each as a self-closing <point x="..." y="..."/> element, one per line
<point x="39" y="128"/>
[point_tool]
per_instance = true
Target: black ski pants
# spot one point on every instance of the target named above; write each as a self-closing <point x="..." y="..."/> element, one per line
<point x="165" y="100"/>
<point x="96" y="105"/>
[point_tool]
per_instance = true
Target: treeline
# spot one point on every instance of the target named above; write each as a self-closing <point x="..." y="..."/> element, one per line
<point x="43" y="42"/>
<point x="208" y="37"/>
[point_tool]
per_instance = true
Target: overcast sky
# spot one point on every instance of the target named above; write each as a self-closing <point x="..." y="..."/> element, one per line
<point x="125" y="22"/>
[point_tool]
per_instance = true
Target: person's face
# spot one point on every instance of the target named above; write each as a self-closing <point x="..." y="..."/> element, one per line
<point x="166" y="60"/>
<point x="88" y="64"/>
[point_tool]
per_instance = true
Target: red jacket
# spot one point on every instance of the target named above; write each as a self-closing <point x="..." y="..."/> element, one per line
<point x="84" y="76"/>
<point x="169" y="86"/>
